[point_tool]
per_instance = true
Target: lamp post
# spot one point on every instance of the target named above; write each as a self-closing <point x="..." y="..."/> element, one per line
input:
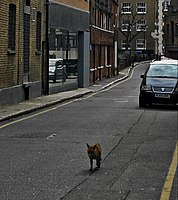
<point x="160" y="27"/>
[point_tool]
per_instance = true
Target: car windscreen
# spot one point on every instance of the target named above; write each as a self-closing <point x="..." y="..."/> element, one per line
<point x="156" y="70"/>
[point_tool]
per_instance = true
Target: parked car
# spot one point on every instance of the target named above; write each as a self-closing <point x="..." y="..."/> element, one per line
<point x="57" y="70"/>
<point x="159" y="83"/>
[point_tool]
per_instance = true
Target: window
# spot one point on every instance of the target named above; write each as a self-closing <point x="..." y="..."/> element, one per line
<point x="123" y="44"/>
<point x="172" y="32"/>
<point x="107" y="3"/>
<point x="141" y="8"/>
<point x="104" y="20"/>
<point x="38" y="32"/>
<point x="52" y="42"/>
<point x="126" y="8"/>
<point x="141" y="25"/>
<point x="101" y="19"/>
<point x="73" y="40"/>
<point x="108" y="25"/>
<point x="140" y="44"/>
<point x="33" y="14"/>
<point x="27" y="2"/>
<point x="12" y="28"/>
<point x="166" y="5"/>
<point x="167" y="32"/>
<point x="58" y="41"/>
<point x="125" y="25"/>
<point x="61" y="39"/>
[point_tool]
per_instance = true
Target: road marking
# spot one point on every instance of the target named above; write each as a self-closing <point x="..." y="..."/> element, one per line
<point x="121" y="101"/>
<point x="166" y="190"/>
<point x="64" y="104"/>
<point x="110" y="86"/>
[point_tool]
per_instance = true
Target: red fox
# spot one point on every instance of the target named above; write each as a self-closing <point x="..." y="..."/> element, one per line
<point x="94" y="153"/>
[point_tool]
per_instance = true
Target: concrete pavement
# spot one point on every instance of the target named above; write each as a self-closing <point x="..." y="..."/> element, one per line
<point x="10" y="111"/>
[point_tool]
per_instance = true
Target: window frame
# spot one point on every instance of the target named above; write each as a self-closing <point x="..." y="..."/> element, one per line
<point x="125" y="25"/>
<point x="126" y="8"/>
<point x="166" y="5"/>
<point x="141" y="25"/>
<point x="142" y="44"/>
<point x="123" y="45"/>
<point x="142" y="6"/>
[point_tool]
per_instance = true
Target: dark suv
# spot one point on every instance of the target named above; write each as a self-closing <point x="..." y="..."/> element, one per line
<point x="159" y="83"/>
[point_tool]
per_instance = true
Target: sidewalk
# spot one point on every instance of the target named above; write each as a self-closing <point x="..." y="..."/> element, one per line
<point x="10" y="111"/>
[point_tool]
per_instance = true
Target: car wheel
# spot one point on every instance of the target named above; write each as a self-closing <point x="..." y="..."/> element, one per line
<point x="142" y="103"/>
<point x="64" y="78"/>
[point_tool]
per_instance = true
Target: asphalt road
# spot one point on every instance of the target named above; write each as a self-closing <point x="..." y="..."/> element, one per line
<point x="44" y="156"/>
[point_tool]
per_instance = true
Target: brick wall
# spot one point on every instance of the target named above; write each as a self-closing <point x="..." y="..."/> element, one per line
<point x="11" y="65"/>
<point x="8" y="64"/>
<point x="12" y="76"/>
<point x="102" y="40"/>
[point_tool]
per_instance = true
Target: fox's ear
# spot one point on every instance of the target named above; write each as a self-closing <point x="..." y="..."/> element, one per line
<point x="87" y="145"/>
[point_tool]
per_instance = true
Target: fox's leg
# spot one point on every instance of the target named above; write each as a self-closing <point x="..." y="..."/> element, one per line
<point x="98" y="162"/>
<point x="91" y="164"/>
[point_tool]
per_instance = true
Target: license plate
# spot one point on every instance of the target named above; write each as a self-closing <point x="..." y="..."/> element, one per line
<point x="167" y="96"/>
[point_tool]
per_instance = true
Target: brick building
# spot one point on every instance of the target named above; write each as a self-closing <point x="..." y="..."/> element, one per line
<point x="102" y="42"/>
<point x="171" y="30"/>
<point x="21" y="36"/>
<point x="136" y="22"/>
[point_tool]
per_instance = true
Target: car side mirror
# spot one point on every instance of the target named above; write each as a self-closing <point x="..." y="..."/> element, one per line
<point x="142" y="76"/>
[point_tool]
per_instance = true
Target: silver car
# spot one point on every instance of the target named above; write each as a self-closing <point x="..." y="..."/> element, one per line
<point x="57" y="70"/>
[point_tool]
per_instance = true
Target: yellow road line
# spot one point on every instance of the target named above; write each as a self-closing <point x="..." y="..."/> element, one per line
<point x="34" y="115"/>
<point x="61" y="105"/>
<point x="166" y="190"/>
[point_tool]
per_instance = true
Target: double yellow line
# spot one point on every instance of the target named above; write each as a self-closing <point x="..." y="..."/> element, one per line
<point x="166" y="190"/>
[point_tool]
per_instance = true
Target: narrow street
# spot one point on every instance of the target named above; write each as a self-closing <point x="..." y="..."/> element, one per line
<point x="44" y="156"/>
